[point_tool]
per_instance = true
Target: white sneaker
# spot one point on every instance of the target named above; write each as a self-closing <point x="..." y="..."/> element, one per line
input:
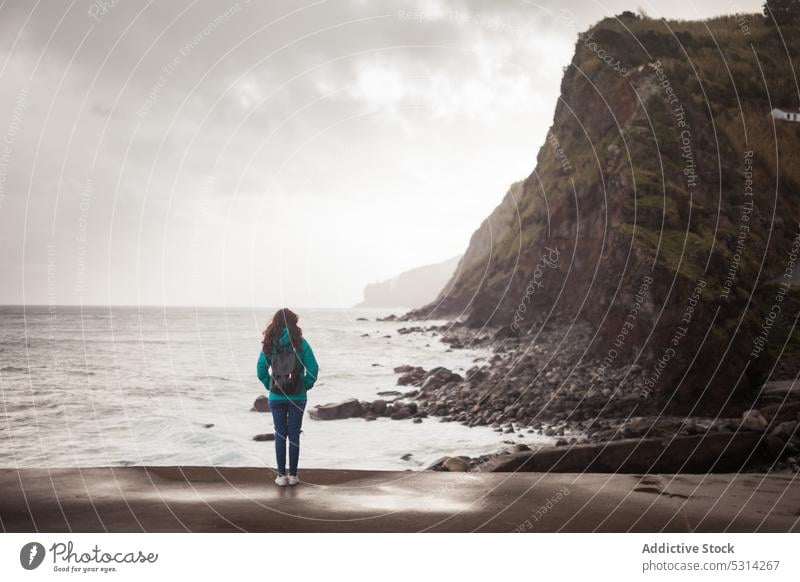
<point x="281" y="481"/>
<point x="293" y="480"/>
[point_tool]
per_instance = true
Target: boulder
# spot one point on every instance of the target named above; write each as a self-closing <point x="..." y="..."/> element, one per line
<point x="439" y="376"/>
<point x="413" y="377"/>
<point x="785" y="431"/>
<point x="781" y="388"/>
<point x="412" y="329"/>
<point x="518" y="448"/>
<point x="403" y="369"/>
<point x="652" y="427"/>
<point x="781" y="411"/>
<point x="754" y="420"/>
<point x="378" y="406"/>
<point x="437" y="465"/>
<point x="709" y="453"/>
<point x="455" y="464"/>
<point x="261" y="404"/>
<point x="401" y="414"/>
<point x="334" y="411"/>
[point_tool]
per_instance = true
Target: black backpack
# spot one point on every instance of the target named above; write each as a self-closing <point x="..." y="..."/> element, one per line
<point x="287" y="371"/>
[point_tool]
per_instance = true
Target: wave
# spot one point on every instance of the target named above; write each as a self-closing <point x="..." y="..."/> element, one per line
<point x="13" y="369"/>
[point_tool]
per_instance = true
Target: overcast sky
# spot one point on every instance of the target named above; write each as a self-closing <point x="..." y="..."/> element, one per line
<point x="270" y="152"/>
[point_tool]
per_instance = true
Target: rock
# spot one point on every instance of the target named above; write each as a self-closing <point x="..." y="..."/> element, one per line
<point x="407" y="457"/>
<point x="782" y="411"/>
<point x="361" y="319"/>
<point x="378" y="406"/>
<point x="754" y="420"/>
<point x="403" y="369"/>
<point x="437" y="465"/>
<point x="390" y="393"/>
<point x="333" y="411"/>
<point x="407" y="330"/>
<point x="261" y="404"/>
<point x="439" y="376"/>
<point x="781" y="388"/>
<point x="401" y="414"/>
<point x="370" y="417"/>
<point x="413" y="377"/>
<point x="391" y="317"/>
<point x="518" y="448"/>
<point x="712" y="452"/>
<point x="785" y="430"/>
<point x="417" y="420"/>
<point x="264" y="437"/>
<point x="455" y="464"/>
<point x="210" y="425"/>
<point x="562" y="442"/>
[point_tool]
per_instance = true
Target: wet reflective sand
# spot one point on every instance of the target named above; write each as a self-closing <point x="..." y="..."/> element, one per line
<point x="133" y="499"/>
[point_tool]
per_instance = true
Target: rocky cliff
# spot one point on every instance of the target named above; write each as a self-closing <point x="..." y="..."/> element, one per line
<point x="412" y="288"/>
<point x="663" y="212"/>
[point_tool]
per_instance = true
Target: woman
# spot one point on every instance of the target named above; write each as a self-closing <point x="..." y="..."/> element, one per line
<point x="294" y="370"/>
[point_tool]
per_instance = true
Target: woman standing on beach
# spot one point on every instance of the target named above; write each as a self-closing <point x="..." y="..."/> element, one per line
<point x="287" y="355"/>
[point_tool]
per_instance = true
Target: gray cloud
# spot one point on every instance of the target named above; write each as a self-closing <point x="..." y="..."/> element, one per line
<point x="163" y="148"/>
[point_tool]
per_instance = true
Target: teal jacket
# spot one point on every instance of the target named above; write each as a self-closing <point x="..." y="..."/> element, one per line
<point x="309" y="363"/>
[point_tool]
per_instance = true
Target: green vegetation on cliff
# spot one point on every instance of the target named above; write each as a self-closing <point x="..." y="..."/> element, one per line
<point x="663" y="160"/>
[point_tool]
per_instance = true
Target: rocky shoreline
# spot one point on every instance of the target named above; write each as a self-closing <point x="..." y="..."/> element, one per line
<point x="612" y="426"/>
<point x="521" y="388"/>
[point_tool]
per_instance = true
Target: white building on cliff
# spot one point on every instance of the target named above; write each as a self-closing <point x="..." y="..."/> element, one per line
<point x="786" y="115"/>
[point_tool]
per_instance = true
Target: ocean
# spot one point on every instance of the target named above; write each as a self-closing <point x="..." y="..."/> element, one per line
<point x="118" y="386"/>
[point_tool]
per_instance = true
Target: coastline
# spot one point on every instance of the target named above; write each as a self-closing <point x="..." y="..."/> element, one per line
<point x="600" y="418"/>
<point x="238" y="499"/>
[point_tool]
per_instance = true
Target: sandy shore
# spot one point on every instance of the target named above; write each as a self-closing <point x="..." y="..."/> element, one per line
<point x="174" y="499"/>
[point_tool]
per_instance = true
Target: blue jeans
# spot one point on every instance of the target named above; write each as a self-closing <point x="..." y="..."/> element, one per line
<point x="287" y="417"/>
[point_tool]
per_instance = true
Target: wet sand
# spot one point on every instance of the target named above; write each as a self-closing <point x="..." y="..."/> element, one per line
<point x="210" y="499"/>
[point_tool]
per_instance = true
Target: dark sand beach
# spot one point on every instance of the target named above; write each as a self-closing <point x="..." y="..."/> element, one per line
<point x="208" y="499"/>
